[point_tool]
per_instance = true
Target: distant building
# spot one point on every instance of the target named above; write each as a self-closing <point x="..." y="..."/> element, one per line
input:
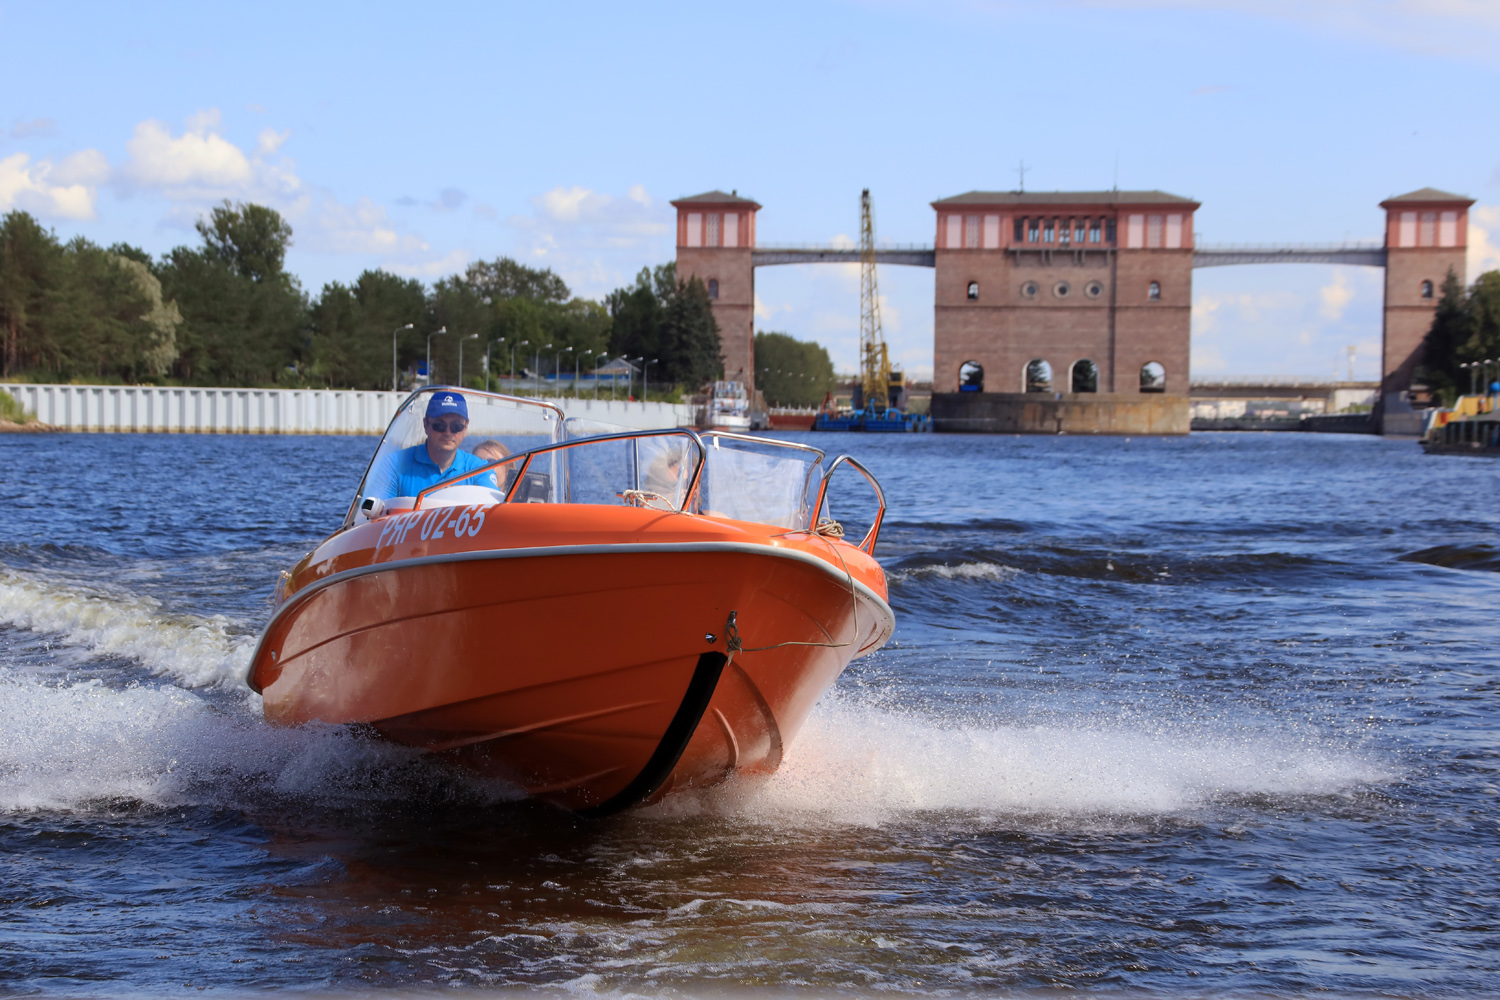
<point x="715" y="237"/>
<point x="1084" y="287"/>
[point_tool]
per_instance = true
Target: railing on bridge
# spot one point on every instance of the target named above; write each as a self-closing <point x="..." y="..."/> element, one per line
<point x="911" y="254"/>
<point x="1367" y="253"/>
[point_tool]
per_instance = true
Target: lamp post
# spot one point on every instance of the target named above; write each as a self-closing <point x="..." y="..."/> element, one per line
<point x="538" y="363"/>
<point x="630" y="377"/>
<point x="472" y="336"/>
<point x="576" y="357"/>
<point x="487" y="349"/>
<point x="1488" y="362"/>
<point x="1470" y="366"/>
<point x="513" y="364"/>
<point x="436" y="333"/>
<point x="557" y="368"/>
<point x="395" y="370"/>
<point x="646" y="380"/>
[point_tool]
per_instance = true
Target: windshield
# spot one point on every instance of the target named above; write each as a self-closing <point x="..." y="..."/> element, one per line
<point x="496" y="426"/>
<point x="760" y="479"/>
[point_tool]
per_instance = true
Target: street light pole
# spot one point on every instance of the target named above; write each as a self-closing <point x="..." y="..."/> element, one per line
<point x="395" y="370"/>
<point x="472" y="336"/>
<point x="513" y="364"/>
<point x="436" y="333"/>
<point x="577" y="356"/>
<point x="646" y="380"/>
<point x="538" y="362"/>
<point x="557" y="369"/>
<point x="487" y="349"/>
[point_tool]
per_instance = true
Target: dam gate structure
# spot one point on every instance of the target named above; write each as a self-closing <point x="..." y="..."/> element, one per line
<point x="1071" y="312"/>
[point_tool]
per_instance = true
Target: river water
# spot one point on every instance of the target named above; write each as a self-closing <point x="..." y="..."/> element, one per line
<point x="1207" y="715"/>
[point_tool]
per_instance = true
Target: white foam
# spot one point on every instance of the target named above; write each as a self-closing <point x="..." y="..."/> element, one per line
<point x="867" y="766"/>
<point x="76" y="745"/>
<point x="194" y="651"/>
<point x="963" y="571"/>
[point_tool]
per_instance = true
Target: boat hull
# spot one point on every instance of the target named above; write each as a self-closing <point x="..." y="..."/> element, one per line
<point x="593" y="674"/>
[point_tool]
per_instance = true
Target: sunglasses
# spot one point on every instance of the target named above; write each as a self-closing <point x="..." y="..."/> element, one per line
<point x="451" y="427"/>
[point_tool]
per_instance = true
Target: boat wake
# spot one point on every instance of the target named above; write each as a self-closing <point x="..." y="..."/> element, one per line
<point x="192" y="651"/>
<point x="865" y="766"/>
<point x="83" y="744"/>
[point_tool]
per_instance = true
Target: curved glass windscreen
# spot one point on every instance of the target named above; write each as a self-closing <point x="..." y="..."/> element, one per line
<point x="441" y="433"/>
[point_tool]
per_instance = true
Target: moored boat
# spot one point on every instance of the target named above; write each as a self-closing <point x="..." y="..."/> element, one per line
<point x="1470" y="427"/>
<point x="596" y="619"/>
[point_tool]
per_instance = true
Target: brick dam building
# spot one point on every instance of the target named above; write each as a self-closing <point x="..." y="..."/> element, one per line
<point x="1070" y="312"/>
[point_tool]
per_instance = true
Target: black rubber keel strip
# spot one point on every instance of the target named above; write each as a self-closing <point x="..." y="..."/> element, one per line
<point x="674" y="741"/>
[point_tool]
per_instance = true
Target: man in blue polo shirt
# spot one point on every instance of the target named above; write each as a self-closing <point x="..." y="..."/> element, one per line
<point x="411" y="470"/>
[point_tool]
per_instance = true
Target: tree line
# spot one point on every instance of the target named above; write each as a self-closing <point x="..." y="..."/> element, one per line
<point x="226" y="312"/>
<point x="1465" y="329"/>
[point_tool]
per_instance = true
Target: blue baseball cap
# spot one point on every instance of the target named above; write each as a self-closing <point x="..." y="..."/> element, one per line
<point x="447" y="404"/>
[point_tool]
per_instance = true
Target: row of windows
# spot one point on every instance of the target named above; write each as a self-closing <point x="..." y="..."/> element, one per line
<point x="1060" y="230"/>
<point x="1427" y="229"/>
<point x="1083" y="376"/>
<point x="1143" y="230"/>
<point x="1094" y="289"/>
<point x="713" y="229"/>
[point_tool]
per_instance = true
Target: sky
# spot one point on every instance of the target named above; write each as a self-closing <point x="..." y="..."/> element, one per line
<point x="419" y="138"/>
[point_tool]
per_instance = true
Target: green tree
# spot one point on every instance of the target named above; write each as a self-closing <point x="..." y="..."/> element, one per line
<point x="29" y="265"/>
<point x="792" y="372"/>
<point x="1465" y="328"/>
<point x="251" y="239"/>
<point x="353" y="326"/>
<point x="244" y="319"/>
<point x="670" y="321"/>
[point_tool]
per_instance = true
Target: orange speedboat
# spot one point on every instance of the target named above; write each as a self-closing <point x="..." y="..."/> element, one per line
<point x="597" y="619"/>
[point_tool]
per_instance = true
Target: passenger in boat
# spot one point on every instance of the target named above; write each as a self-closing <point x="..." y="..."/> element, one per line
<point x="438" y="459"/>
<point x="494" y="451"/>
<point x="663" y="475"/>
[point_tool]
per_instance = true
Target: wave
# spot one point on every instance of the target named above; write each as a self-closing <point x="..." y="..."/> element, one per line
<point x="1480" y="557"/>
<point x="196" y="652"/>
<point x="864" y="766"/>
<point x="955" y="571"/>
<point x="86" y="746"/>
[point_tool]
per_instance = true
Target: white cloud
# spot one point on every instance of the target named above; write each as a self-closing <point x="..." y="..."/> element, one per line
<point x="1469" y="27"/>
<point x="200" y="160"/>
<point x="451" y="263"/>
<point x="33" y="127"/>
<point x="270" y="140"/>
<point x="1484" y="252"/>
<point x="66" y="190"/>
<point x="1335" y="296"/>
<point x="593" y="240"/>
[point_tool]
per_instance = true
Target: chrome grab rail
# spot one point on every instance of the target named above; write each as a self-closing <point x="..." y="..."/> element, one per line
<point x="525" y="458"/>
<point x="735" y="436"/>
<point x="866" y="544"/>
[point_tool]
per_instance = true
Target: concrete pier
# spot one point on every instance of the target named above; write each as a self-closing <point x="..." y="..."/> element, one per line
<point x="211" y="410"/>
<point x="1060" y="413"/>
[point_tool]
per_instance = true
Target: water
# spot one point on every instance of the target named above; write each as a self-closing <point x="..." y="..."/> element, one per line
<point x="1211" y="715"/>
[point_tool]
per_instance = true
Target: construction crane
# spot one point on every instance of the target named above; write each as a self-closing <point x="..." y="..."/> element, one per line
<point x="874" y="361"/>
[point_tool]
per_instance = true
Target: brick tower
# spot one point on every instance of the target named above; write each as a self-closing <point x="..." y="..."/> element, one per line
<point x="715" y="235"/>
<point x="1067" y="278"/>
<point x="1426" y="234"/>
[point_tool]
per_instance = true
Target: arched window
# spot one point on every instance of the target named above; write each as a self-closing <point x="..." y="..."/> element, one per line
<point x="1153" y="377"/>
<point x="1038" y="376"/>
<point x="971" y="377"/>
<point x="1153" y="291"/>
<point x="1085" y="377"/>
<point x="1426" y="289"/>
<point x="713" y="288"/>
<point x="973" y="291"/>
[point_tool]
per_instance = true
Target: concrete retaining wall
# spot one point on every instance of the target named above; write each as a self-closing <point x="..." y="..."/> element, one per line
<point x="271" y="411"/>
<point x="1065" y="413"/>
